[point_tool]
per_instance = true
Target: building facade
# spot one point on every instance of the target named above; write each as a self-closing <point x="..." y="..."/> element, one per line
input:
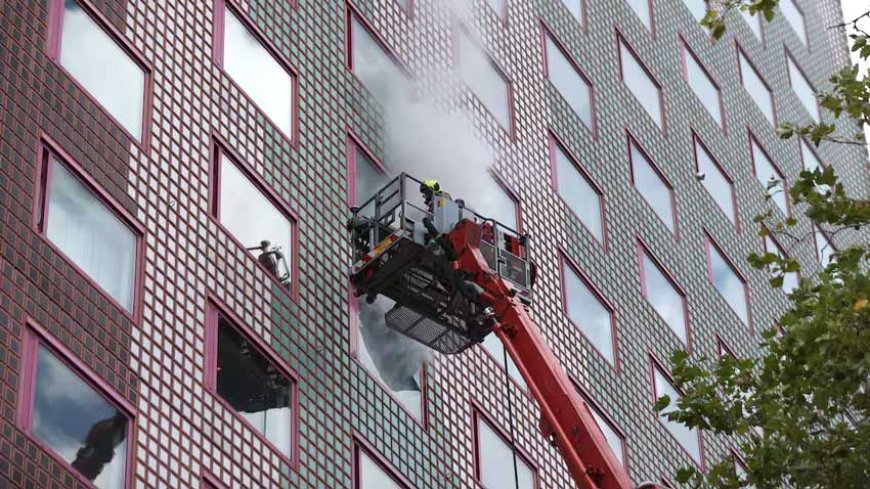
<point x="150" y="339"/>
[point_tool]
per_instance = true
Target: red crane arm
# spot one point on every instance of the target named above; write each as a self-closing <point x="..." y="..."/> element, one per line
<point x="564" y="415"/>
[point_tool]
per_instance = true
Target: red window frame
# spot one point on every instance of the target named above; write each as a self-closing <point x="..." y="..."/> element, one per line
<point x="220" y="8"/>
<point x="596" y="406"/>
<point x="354" y="144"/>
<point x="459" y="28"/>
<point x="803" y="21"/>
<point x="789" y="57"/>
<point x="829" y="242"/>
<point x="478" y="415"/>
<point x="622" y="40"/>
<point x="655" y="364"/>
<point x="220" y="147"/>
<point x="784" y="181"/>
<point x="565" y="262"/>
<point x="697" y="141"/>
<point x="209" y="481"/>
<point x="742" y="52"/>
<point x="547" y="32"/>
<point x="708" y="242"/>
<point x="685" y="49"/>
<point x="360" y="445"/>
<point x="556" y="142"/>
<point x="644" y="250"/>
<point x="47" y="147"/>
<point x="34" y="337"/>
<point x="723" y="348"/>
<point x="216" y="309"/>
<point x="632" y="140"/>
<point x="55" y="30"/>
<point x="802" y="142"/>
<point x="351" y="13"/>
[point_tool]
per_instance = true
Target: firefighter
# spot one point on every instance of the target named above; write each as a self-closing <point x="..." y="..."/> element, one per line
<point x="430" y="189"/>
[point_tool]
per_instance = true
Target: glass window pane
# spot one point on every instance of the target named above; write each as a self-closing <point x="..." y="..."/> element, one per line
<point x="79" y="424"/>
<point x="500" y="468"/>
<point x="755" y="86"/>
<point x="579" y="194"/>
<point x="790" y="280"/>
<point x="652" y="186"/>
<point x="478" y="71"/>
<point x="249" y="215"/>
<point x="697" y="7"/>
<point x="372" y="476"/>
<point x="665" y="298"/>
<point x="614" y="439"/>
<point x="716" y="182"/>
<point x="802" y="88"/>
<point x="254" y="387"/>
<point x="570" y="84"/>
<point x="824" y="247"/>
<point x="91" y="235"/>
<point x="103" y="68"/>
<point x="374" y="66"/>
<point x="391" y="357"/>
<point x="642" y="9"/>
<point x="729" y="284"/>
<point x="703" y="86"/>
<point x="495" y="348"/>
<point x="588" y="313"/>
<point x="369" y="178"/>
<point x="754" y="22"/>
<point x="259" y="74"/>
<point x="794" y="17"/>
<point x="687" y="437"/>
<point x="766" y="172"/>
<point x="641" y="84"/>
<point x="576" y="9"/>
<point x="498" y="6"/>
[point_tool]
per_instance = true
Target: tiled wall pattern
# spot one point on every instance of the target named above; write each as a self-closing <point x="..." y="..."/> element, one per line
<point x="157" y="363"/>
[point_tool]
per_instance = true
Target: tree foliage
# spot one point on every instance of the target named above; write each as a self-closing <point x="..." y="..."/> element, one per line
<point x="798" y="414"/>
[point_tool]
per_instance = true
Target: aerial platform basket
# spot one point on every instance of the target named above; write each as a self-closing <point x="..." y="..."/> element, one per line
<point x="400" y="252"/>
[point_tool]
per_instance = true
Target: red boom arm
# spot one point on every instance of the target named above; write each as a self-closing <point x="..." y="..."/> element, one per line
<point x="564" y="415"/>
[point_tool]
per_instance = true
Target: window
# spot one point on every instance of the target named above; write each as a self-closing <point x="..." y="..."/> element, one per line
<point x="577" y="9"/>
<point x="498" y="465"/>
<point x="485" y="79"/>
<point x="614" y="436"/>
<point x="262" y="75"/>
<point x="824" y="247"/>
<point x="771" y="245"/>
<point x="643" y="9"/>
<point x="703" y="86"/>
<point x="802" y="87"/>
<point x="373" y="64"/>
<point x="697" y="7"/>
<point x="688" y="438"/>
<point x="588" y="312"/>
<point x="569" y="81"/>
<point x="641" y="83"/>
<point x="251" y="384"/>
<point x="405" y="4"/>
<point x="368" y="175"/>
<point x="767" y="173"/>
<point x="652" y="185"/>
<point x="90" y="233"/>
<point x="251" y="215"/>
<point x="809" y="157"/>
<point x="756" y="87"/>
<point x="499" y="7"/>
<point x="754" y="23"/>
<point x="371" y="475"/>
<point x="795" y="18"/>
<point x="727" y="281"/>
<point x="715" y="180"/>
<point x="101" y="64"/>
<point x="64" y="410"/>
<point x="668" y="300"/>
<point x="582" y="197"/>
<point x="495" y="348"/>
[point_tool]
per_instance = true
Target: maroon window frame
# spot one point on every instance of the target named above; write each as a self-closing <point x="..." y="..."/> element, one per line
<point x="351" y="13"/>
<point x="803" y="21"/>
<point x="354" y="145"/>
<point x="708" y="242"/>
<point x="829" y="242"/>
<point x="742" y="52"/>
<point x="547" y="32"/>
<point x="220" y="7"/>
<point x="480" y="415"/>
<point x="723" y="348"/>
<point x="220" y="147"/>
<point x="685" y="49"/>
<point x="34" y="337"/>
<point x="216" y="309"/>
<point x="655" y="364"/>
<point x="780" y="248"/>
<point x="55" y="30"/>
<point x="48" y="147"/>
<point x="211" y="482"/>
<point x="697" y="141"/>
<point x="622" y="40"/>
<point x="652" y="22"/>
<point x="565" y="263"/>
<point x="790" y="57"/>
<point x="632" y="140"/>
<point x="360" y="445"/>
<point x="784" y="181"/>
<point x="803" y="143"/>
<point x="557" y="142"/>
<point x="644" y="250"/>
<point x="608" y="419"/>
